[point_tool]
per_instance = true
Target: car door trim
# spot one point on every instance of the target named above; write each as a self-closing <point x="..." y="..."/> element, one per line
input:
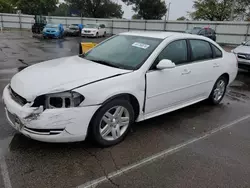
<point x="171" y="106"/>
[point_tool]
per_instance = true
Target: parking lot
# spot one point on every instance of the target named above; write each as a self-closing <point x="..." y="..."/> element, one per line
<point x="198" y="146"/>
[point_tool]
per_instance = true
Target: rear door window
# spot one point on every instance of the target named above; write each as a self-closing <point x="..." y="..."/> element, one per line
<point x="201" y="50"/>
<point x="217" y="51"/>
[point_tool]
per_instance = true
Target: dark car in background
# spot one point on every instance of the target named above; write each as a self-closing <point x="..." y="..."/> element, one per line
<point x="74" y="30"/>
<point x="206" y="31"/>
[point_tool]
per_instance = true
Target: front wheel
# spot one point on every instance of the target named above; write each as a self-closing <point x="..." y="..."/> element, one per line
<point x="97" y="35"/>
<point x="112" y="122"/>
<point x="218" y="91"/>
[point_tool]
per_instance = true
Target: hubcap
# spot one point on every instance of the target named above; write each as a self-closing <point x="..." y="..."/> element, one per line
<point x="219" y="90"/>
<point x="114" y="123"/>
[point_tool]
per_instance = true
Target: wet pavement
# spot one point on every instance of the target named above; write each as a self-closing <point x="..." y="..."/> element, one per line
<point x="220" y="160"/>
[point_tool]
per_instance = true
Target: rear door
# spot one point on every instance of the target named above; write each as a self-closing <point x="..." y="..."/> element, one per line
<point x="205" y="68"/>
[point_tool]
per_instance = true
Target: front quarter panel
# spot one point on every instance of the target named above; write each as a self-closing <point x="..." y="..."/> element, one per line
<point x="98" y="92"/>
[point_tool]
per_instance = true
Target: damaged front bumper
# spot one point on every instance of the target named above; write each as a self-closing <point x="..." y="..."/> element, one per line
<point x="50" y="125"/>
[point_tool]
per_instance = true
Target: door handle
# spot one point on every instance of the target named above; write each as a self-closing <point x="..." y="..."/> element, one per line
<point x="216" y="65"/>
<point x="186" y="71"/>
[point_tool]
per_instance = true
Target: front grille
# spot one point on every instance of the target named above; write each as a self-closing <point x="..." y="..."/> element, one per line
<point x="20" y="100"/>
<point x="49" y="31"/>
<point x="244" y="56"/>
<point x="86" y="31"/>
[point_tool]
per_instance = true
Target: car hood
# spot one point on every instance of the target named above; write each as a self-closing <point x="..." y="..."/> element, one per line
<point x="60" y="75"/>
<point x="242" y="49"/>
<point x="51" y="29"/>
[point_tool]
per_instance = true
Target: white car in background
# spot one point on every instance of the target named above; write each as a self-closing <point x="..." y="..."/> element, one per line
<point x="243" y="55"/>
<point x="129" y="77"/>
<point x="94" y="30"/>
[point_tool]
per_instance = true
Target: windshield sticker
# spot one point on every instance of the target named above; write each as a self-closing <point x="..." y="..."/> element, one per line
<point x="140" y="45"/>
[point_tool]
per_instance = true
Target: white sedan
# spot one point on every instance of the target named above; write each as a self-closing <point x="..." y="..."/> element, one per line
<point x="243" y="55"/>
<point x="94" y="30"/>
<point x="129" y="77"/>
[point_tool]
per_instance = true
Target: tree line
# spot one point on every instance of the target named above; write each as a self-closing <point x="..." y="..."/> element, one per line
<point x="213" y="10"/>
<point x="144" y="9"/>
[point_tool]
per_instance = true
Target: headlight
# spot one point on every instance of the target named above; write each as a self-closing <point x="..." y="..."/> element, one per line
<point x="59" y="100"/>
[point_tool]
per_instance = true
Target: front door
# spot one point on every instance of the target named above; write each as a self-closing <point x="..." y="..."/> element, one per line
<point x="184" y="84"/>
<point x="166" y="88"/>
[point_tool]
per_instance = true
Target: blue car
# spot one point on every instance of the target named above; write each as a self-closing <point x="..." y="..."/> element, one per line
<point x="53" y="31"/>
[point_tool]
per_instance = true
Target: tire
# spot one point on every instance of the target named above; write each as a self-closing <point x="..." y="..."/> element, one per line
<point x="104" y="35"/>
<point x="97" y="35"/>
<point x="110" y="135"/>
<point x="218" y="91"/>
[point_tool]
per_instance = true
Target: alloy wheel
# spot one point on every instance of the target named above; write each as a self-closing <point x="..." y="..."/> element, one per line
<point x="114" y="123"/>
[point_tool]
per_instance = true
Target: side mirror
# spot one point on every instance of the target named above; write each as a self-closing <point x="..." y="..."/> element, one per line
<point x="243" y="43"/>
<point x="165" y="64"/>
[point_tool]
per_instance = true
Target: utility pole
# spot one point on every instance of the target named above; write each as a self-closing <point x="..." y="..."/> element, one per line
<point x="169" y="5"/>
<point x="232" y="10"/>
<point x="167" y="15"/>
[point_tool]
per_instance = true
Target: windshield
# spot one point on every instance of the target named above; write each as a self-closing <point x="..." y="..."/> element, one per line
<point x="247" y="43"/>
<point x="51" y="26"/>
<point x="195" y="30"/>
<point x="91" y="26"/>
<point x="123" y="51"/>
<point x="73" y="27"/>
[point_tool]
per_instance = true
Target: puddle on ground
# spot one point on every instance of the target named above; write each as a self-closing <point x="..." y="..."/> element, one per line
<point x="237" y="96"/>
<point x="239" y="85"/>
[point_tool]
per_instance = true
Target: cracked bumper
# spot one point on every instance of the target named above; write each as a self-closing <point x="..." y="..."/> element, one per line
<point x="67" y="125"/>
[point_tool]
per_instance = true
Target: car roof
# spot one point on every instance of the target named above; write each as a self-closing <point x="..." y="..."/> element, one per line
<point x="161" y="35"/>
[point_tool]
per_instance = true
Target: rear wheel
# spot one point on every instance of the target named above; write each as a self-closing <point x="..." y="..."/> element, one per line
<point x="104" y="35"/>
<point x="112" y="122"/>
<point x="218" y="91"/>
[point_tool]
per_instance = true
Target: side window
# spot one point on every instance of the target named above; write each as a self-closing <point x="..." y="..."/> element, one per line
<point x="176" y="52"/>
<point x="202" y="32"/>
<point x="208" y="32"/>
<point x="102" y="26"/>
<point x="201" y="50"/>
<point x="217" y="51"/>
<point x="212" y="31"/>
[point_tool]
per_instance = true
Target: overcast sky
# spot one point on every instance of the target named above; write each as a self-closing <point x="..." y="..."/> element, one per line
<point x="178" y="8"/>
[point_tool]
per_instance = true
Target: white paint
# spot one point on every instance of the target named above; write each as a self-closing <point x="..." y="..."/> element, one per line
<point x="169" y="151"/>
<point x="167" y="90"/>
<point x="59" y="75"/>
